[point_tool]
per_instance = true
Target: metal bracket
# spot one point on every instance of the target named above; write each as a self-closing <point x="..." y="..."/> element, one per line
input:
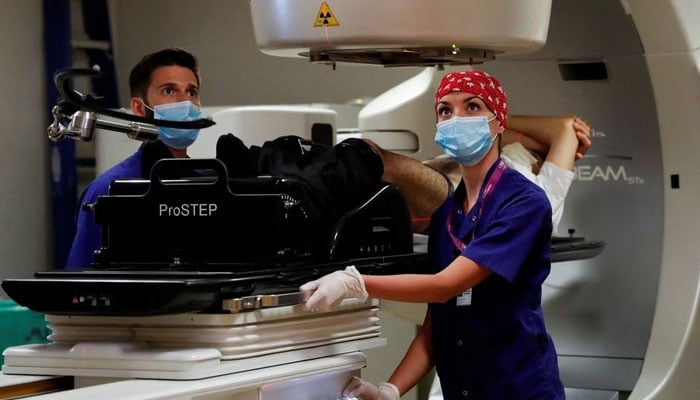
<point x="263" y="301"/>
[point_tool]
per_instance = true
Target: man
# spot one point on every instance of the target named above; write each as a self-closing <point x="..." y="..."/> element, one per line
<point x="164" y="85"/>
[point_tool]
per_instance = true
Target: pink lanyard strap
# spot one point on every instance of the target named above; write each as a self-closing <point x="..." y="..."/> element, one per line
<point x="490" y="187"/>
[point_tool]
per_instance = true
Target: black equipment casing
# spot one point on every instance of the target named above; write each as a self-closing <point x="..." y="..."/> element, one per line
<point x="189" y="214"/>
<point x="190" y="238"/>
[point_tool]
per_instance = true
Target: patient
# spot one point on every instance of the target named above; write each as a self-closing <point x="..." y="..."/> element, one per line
<point x="541" y="148"/>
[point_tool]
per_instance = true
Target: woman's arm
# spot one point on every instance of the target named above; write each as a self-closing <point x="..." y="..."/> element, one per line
<point x="460" y="275"/>
<point x="330" y="289"/>
<point x="418" y="359"/>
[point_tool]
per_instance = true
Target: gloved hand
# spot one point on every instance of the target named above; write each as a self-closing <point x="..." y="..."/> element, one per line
<point x="367" y="391"/>
<point x="330" y="289"/>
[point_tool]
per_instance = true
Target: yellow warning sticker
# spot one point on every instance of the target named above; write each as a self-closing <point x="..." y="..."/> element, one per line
<point x="325" y="17"/>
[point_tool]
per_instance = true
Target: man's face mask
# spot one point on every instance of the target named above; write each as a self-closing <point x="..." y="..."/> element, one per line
<point x="465" y="139"/>
<point x="180" y="111"/>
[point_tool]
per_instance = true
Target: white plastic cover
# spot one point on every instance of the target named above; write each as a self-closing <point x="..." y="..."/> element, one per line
<point x="289" y="27"/>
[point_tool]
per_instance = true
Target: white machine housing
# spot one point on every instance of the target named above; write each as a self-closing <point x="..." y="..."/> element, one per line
<point x="196" y="346"/>
<point x="255" y="125"/>
<point x="399" y="119"/>
<point x="406" y="32"/>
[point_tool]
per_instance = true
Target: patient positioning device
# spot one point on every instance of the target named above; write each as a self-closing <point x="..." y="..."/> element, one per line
<point x="189" y="266"/>
<point x="187" y="244"/>
<point x="190" y="263"/>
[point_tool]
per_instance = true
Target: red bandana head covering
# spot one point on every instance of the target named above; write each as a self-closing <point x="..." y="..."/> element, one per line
<point x="479" y="83"/>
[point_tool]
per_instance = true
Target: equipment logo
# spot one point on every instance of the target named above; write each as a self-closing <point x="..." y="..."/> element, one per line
<point x="606" y="173"/>
<point x="325" y="17"/>
<point x="187" y="210"/>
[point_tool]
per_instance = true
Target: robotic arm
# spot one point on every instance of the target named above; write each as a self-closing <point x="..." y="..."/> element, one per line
<point x="76" y="116"/>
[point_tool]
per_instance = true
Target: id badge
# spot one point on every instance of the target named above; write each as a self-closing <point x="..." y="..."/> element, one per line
<point x="465" y="299"/>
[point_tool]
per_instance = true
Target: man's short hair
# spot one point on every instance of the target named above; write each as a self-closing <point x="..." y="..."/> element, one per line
<point x="140" y="76"/>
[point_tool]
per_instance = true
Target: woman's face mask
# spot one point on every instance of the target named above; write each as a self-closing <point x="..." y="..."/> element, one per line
<point x="180" y="111"/>
<point x="465" y="139"/>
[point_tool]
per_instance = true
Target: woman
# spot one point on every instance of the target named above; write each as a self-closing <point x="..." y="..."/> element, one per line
<point x="489" y="250"/>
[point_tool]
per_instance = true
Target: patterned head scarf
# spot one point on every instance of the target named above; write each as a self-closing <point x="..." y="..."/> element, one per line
<point x="479" y="83"/>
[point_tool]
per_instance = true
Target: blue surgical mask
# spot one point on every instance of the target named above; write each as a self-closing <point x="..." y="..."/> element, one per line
<point x="180" y="111"/>
<point x="465" y="139"/>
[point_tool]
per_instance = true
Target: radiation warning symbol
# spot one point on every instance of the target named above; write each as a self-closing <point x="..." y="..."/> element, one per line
<point x="325" y="17"/>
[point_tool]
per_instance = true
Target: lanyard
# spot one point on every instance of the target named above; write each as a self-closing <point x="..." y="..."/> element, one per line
<point x="490" y="186"/>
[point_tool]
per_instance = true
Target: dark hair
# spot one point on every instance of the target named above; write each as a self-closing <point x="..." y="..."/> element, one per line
<point x="140" y="76"/>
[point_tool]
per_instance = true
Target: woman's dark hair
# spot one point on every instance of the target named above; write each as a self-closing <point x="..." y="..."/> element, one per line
<point x="140" y="76"/>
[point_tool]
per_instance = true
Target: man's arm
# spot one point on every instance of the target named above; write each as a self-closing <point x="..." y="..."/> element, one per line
<point x="562" y="139"/>
<point x="559" y="140"/>
<point x="423" y="187"/>
<point x="87" y="234"/>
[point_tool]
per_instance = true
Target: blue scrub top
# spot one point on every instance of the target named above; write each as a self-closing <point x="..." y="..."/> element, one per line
<point x="492" y="343"/>
<point x="87" y="235"/>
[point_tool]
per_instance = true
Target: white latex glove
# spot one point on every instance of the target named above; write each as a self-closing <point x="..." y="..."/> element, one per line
<point x="332" y="288"/>
<point x="367" y="391"/>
